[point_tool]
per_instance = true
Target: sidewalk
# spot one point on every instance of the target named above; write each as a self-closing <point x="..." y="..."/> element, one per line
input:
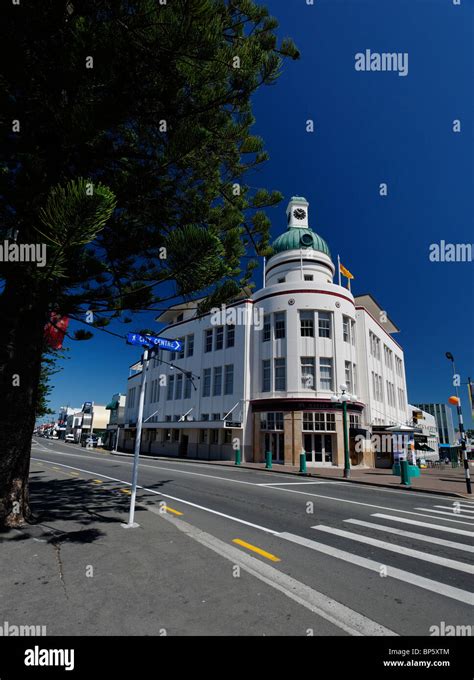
<point x="79" y="572"/>
<point x="446" y="480"/>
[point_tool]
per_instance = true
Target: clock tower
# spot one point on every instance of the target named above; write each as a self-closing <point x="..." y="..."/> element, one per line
<point x="297" y="212"/>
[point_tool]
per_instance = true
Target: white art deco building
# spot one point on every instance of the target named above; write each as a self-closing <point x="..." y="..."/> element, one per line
<point x="268" y="366"/>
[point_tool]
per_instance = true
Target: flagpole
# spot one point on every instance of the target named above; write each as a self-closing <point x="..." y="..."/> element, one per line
<point x="339" y="268"/>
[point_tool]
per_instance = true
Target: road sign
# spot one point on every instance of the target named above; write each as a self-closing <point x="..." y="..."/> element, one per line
<point x="151" y="341"/>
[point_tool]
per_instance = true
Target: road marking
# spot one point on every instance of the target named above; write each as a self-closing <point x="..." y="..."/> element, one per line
<point x="453" y="507"/>
<point x="97" y="481"/>
<point x="290" y="483"/>
<point x="405" y="520"/>
<point x="412" y="534"/>
<point x="398" y="574"/>
<point x="399" y="549"/>
<point x="364" y="487"/>
<point x="254" y="548"/>
<point x="175" y="512"/>
<point x="173" y="498"/>
<point x="441" y="512"/>
<point x="126" y="491"/>
<point x="336" y="613"/>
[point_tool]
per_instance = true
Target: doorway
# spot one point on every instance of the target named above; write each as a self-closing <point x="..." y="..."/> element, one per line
<point x="274" y="442"/>
<point x="183" y="446"/>
<point x="318" y="448"/>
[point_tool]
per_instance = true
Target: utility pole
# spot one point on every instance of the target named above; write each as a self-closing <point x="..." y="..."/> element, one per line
<point x="456" y="400"/>
<point x="141" y="401"/>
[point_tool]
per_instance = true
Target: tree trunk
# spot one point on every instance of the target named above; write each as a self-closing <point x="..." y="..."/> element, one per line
<point x="23" y="315"/>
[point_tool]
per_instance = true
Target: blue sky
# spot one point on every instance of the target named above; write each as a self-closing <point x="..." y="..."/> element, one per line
<point x="370" y="128"/>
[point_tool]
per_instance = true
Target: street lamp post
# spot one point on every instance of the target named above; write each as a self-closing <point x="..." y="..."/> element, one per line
<point x="467" y="474"/>
<point x="343" y="398"/>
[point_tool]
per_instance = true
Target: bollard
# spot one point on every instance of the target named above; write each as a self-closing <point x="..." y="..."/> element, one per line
<point x="238" y="458"/>
<point x="268" y="460"/>
<point x="404" y="472"/>
<point x="303" y="462"/>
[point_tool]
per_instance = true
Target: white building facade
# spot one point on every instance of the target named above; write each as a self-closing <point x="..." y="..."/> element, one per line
<point x="264" y="369"/>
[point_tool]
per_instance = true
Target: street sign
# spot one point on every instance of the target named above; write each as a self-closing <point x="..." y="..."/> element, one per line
<point x="151" y="341"/>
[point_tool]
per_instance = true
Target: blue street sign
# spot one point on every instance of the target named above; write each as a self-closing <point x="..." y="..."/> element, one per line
<point x="151" y="341"/>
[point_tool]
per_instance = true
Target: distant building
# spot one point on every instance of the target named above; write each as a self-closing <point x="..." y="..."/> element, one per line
<point x="444" y="421"/>
<point x="426" y="438"/>
<point x="63" y="416"/>
<point x="116" y="420"/>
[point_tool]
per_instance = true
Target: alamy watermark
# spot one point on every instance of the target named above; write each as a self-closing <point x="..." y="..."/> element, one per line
<point x="9" y="630"/>
<point x="385" y="61"/>
<point x="450" y="630"/>
<point x="23" y="252"/>
<point x="450" y="252"/>
<point x="237" y="316"/>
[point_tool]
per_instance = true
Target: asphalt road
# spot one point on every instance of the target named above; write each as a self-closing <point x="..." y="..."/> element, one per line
<point x="369" y="560"/>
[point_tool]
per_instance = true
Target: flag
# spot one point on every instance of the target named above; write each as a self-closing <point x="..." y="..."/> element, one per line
<point x="345" y="271"/>
<point x="55" y="330"/>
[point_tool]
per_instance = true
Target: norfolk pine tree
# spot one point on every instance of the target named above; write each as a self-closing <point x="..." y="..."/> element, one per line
<point x="126" y="139"/>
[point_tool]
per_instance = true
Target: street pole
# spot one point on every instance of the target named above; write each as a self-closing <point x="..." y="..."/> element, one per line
<point x="467" y="472"/>
<point x="131" y="523"/>
<point x="347" y="459"/>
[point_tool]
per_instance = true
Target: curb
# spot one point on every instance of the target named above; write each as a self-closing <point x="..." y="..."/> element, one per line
<point x="298" y="474"/>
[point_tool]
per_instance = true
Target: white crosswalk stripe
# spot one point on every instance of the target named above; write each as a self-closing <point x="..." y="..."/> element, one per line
<point x="412" y="534"/>
<point x="399" y="549"/>
<point x="408" y="577"/>
<point x="442" y="512"/>
<point x="453" y="507"/>
<point x="428" y="525"/>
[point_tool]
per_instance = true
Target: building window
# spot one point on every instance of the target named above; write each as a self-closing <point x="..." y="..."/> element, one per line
<point x="267" y="328"/>
<point x="216" y="416"/>
<point x="346" y="328"/>
<point x="307" y="324"/>
<point x="308" y="373"/>
<point x="208" y="340"/>
<point x="219" y="337"/>
<point x="217" y="383"/>
<point x="169" y="394"/>
<point x="374" y="343"/>
<point x="179" y="386"/>
<point x="181" y="352"/>
<point x="205" y="416"/>
<point x="308" y="277"/>
<point x="271" y="421"/>
<point x="325" y="373"/>
<point x="266" y="375"/>
<point x="319" y="422"/>
<point x="214" y="436"/>
<point x="203" y="436"/>
<point x="401" y="399"/>
<point x="348" y="375"/>
<point x="281" y="280"/>
<point x="190" y="345"/>
<point x="280" y="325"/>
<point x="131" y="397"/>
<point x="187" y="387"/>
<point x="324" y="325"/>
<point x="230" y="335"/>
<point x="398" y="366"/>
<point x="206" y="383"/>
<point x="229" y="379"/>
<point x="390" y="393"/>
<point x="280" y="375"/>
<point x="388" y="355"/>
<point x="354" y="420"/>
<point x="377" y="386"/>
<point x="175" y="435"/>
<point x="353" y="336"/>
<point x="228" y="436"/>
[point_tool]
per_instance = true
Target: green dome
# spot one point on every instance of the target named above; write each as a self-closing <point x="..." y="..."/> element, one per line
<point x="296" y="238"/>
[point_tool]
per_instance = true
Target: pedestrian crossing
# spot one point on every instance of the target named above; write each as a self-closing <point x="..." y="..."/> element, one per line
<point x="390" y="533"/>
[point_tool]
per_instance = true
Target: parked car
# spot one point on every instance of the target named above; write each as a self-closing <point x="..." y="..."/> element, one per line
<point x="69" y="438"/>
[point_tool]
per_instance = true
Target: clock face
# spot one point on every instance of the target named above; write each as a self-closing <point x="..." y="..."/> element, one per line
<point x="299" y="214"/>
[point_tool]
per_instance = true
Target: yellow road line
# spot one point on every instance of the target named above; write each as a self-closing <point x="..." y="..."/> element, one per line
<point x="175" y="512"/>
<point x="259" y="551"/>
<point x="126" y="491"/>
<point x="96" y="481"/>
